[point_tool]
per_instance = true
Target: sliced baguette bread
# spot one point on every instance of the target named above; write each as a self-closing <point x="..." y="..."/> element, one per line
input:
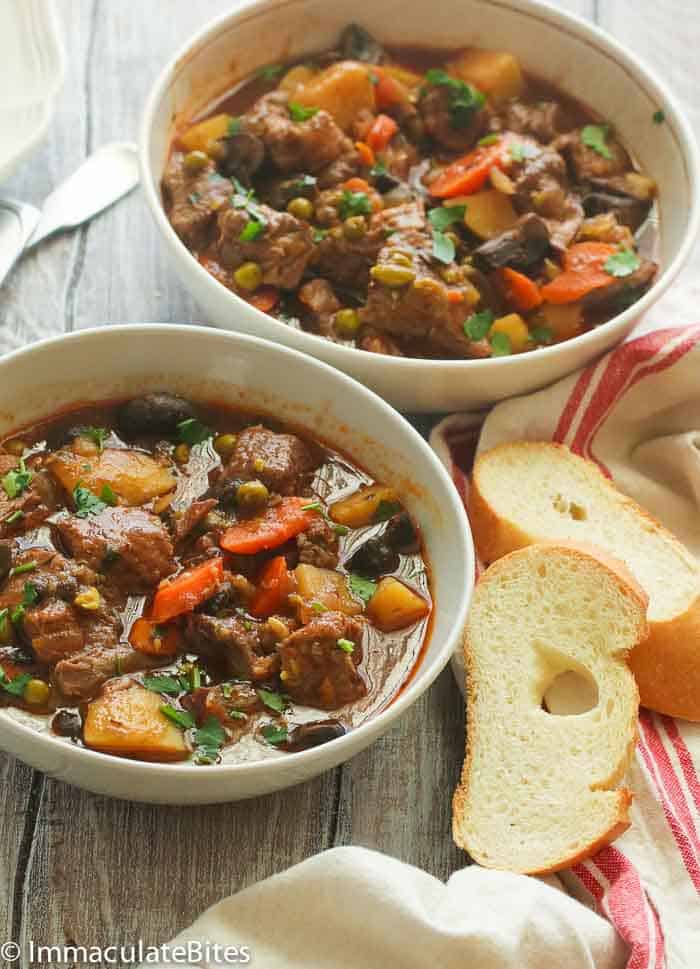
<point x="529" y="492"/>
<point x="538" y="790"/>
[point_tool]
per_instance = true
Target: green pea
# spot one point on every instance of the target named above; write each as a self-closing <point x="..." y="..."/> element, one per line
<point x="346" y="322"/>
<point x="301" y="208"/>
<point x="248" y="276"/>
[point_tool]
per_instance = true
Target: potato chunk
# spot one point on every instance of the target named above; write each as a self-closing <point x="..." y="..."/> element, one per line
<point x="344" y="90"/>
<point x="496" y="73"/>
<point x="395" y="606"/>
<point x="489" y="213"/>
<point x="361" y="507"/>
<point x="199" y="135"/>
<point x="126" y="720"/>
<point x="327" y="587"/>
<point x="134" y="477"/>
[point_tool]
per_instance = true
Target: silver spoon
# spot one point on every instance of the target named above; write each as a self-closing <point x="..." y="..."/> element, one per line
<point x="103" y="178"/>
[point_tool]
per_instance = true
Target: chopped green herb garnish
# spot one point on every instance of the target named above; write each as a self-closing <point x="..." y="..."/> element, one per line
<point x="622" y="263"/>
<point x="658" y="117"/>
<point x="107" y="495"/>
<point x="15" y="481"/>
<point x="21" y="569"/>
<point x="463" y="99"/>
<point x="354" y="203"/>
<point x="487" y="140"/>
<point x="378" y="169"/>
<point x="361" y="587"/>
<point x="181" y="718"/>
<point x="162" y="684"/>
<point x="522" y="151"/>
<point x="194" y="197"/>
<point x="595" y="136"/>
<point x="252" y="230"/>
<point x="346" y="645"/>
<point x="273" y="734"/>
<point x="227" y="690"/>
<point x="340" y="529"/>
<point x="15" y="516"/>
<point x="192" y="431"/>
<point x="304" y="183"/>
<point x="234" y="126"/>
<point x="29" y="597"/>
<point x="98" y="435"/>
<point x="237" y="715"/>
<point x="500" y="345"/>
<point x="443" y="248"/>
<point x="445" y="216"/>
<point x="271" y="72"/>
<point x="275" y="701"/>
<point x="313" y="506"/>
<point x="318" y="606"/>
<point x="386" y="510"/>
<point x="16" y="685"/>
<point x="319" y="235"/>
<point x="209" y="738"/>
<point x="297" y="112"/>
<point x="541" y="334"/>
<point x="4" y="617"/>
<point x="478" y="325"/>
<point x="86" y="503"/>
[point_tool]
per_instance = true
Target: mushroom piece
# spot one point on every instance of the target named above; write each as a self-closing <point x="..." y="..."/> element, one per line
<point x="157" y="413"/>
<point x="358" y="45"/>
<point x="519" y="247"/>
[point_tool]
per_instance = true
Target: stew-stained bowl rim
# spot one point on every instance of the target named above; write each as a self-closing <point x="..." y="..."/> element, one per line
<point x="401" y="372"/>
<point x="141" y="356"/>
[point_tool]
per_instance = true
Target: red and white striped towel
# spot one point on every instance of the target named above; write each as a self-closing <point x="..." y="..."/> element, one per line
<point x="636" y="413"/>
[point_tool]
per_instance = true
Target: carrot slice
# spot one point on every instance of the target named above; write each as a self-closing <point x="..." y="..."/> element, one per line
<point x="583" y="272"/>
<point x="276" y="526"/>
<point x="273" y="587"/>
<point x="469" y="173"/>
<point x="148" y="637"/>
<point x="265" y="298"/>
<point x="357" y="185"/>
<point x="187" y="590"/>
<point x="366" y="154"/>
<point x="388" y="92"/>
<point x="521" y="291"/>
<point x="381" y="132"/>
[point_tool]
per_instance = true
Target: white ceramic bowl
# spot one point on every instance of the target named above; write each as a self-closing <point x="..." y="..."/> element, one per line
<point x="204" y="364"/>
<point x="563" y="49"/>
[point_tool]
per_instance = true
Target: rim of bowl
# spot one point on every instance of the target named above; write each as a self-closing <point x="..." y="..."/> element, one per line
<point x="408" y="694"/>
<point x="644" y="76"/>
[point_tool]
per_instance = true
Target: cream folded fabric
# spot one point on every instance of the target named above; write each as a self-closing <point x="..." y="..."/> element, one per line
<point x="349" y="908"/>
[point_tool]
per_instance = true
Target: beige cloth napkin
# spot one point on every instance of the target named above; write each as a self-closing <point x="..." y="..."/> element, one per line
<point x="349" y="908"/>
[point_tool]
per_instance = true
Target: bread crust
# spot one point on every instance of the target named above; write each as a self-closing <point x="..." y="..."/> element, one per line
<point x="629" y="587"/>
<point x="667" y="664"/>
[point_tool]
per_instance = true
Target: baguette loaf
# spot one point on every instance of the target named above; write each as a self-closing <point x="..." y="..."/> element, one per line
<point x="529" y="492"/>
<point x="538" y="790"/>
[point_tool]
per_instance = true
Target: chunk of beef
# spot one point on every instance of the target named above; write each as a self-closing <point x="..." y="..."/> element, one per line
<point x="295" y="145"/>
<point x="318" y="296"/>
<point x="245" y="153"/>
<point x="632" y="285"/>
<point x="56" y="629"/>
<point x="80" y="676"/>
<point x="224" y="704"/>
<point x="234" y="642"/>
<point x="283" y="462"/>
<point x="195" y="513"/>
<point x="345" y="166"/>
<point x="316" y="671"/>
<point x="542" y="186"/>
<point x="439" y="120"/>
<point x="282" y="250"/>
<point x="318" y="545"/>
<point x="586" y="163"/>
<point x="131" y="545"/>
<point x="36" y="502"/>
<point x="52" y="575"/>
<point x="424" y="310"/>
<point x="519" y="247"/>
<point x="193" y="199"/>
<point x="278" y="191"/>
<point x="348" y="261"/>
<point x="544" y="120"/>
<point x="374" y="342"/>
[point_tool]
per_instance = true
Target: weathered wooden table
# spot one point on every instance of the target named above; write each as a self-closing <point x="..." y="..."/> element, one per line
<point x="74" y="866"/>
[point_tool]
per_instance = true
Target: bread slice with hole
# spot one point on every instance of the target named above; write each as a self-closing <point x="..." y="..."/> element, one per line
<point x="539" y="789"/>
<point x="528" y="492"/>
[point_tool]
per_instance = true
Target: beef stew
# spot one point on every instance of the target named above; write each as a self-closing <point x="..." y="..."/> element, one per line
<point x="414" y="203"/>
<point x="182" y="581"/>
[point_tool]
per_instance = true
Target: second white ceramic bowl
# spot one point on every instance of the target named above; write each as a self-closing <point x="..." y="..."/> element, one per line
<point x="561" y="48"/>
<point x="122" y="361"/>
